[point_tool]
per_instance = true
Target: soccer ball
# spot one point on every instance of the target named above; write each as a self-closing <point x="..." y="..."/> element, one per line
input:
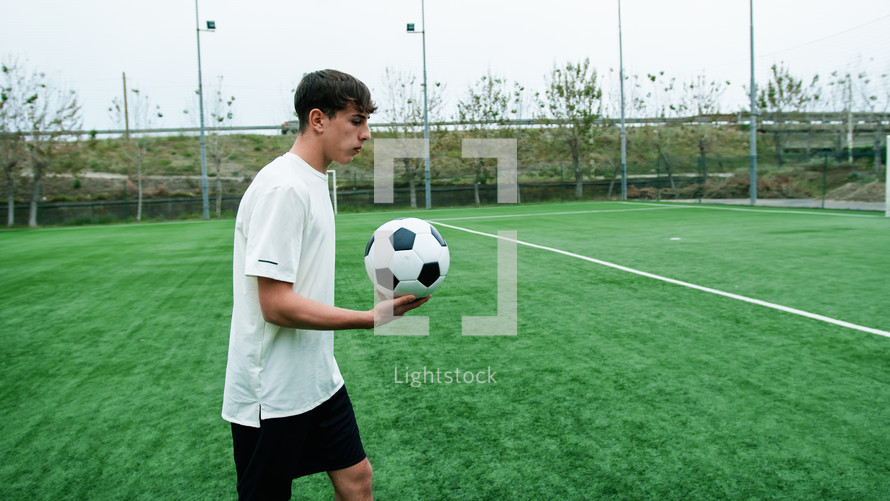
<point x="406" y="256"/>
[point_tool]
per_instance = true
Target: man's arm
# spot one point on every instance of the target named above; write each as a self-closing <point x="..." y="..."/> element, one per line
<point x="282" y="306"/>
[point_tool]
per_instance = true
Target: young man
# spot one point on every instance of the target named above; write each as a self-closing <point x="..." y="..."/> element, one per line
<point x="284" y="395"/>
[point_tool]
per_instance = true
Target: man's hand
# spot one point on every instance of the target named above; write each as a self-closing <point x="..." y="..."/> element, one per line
<point x="388" y="310"/>
<point x="281" y="306"/>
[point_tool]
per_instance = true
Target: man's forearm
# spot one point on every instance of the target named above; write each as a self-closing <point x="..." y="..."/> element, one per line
<point x="282" y="306"/>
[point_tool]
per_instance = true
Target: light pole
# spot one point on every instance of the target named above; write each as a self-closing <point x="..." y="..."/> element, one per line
<point x="753" y="154"/>
<point x="623" y="133"/>
<point x="426" y="119"/>
<point x="211" y="26"/>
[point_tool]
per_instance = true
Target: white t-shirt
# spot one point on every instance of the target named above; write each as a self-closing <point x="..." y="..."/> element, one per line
<point x="285" y="231"/>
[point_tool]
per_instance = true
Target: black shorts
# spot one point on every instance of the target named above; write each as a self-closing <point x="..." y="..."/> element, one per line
<point x="268" y="458"/>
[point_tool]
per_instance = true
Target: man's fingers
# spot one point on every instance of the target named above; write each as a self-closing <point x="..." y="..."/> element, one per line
<point x="407" y="303"/>
<point x="386" y="311"/>
<point x="403" y="300"/>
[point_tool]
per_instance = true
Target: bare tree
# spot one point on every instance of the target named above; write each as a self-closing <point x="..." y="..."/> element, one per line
<point x="523" y="103"/>
<point x="144" y="114"/>
<point x="13" y="154"/>
<point x="635" y="97"/>
<point x="639" y="97"/>
<point x="221" y="115"/>
<point x="574" y="100"/>
<point x="403" y="108"/>
<point x="874" y="98"/>
<point x="659" y="98"/>
<point x="43" y="114"/>
<point x="660" y="102"/>
<point x="702" y="97"/>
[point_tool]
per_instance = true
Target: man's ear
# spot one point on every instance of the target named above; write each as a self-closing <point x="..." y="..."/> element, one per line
<point x="317" y="120"/>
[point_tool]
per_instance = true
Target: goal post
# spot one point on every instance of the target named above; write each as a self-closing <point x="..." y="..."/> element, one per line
<point x="887" y="177"/>
<point x="332" y="175"/>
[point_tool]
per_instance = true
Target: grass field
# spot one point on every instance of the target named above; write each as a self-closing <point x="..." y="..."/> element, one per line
<point x="617" y="386"/>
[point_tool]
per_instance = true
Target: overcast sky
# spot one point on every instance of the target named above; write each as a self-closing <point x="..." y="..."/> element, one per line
<point x="262" y="47"/>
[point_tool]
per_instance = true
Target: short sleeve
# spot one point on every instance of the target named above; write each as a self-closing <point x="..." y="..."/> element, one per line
<point x="274" y="235"/>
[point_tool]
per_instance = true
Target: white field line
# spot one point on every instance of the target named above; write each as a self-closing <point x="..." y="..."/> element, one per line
<point x="770" y="211"/>
<point x="786" y="309"/>
<point x="499" y="216"/>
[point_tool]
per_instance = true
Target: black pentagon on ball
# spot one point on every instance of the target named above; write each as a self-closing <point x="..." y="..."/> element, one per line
<point x="429" y="274"/>
<point x="439" y="238"/>
<point x="370" y="244"/>
<point x="402" y="239"/>
<point x="386" y="278"/>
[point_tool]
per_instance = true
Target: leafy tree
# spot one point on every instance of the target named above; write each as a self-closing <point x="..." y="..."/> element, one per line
<point x="484" y="109"/>
<point x="44" y="115"/>
<point x="574" y="101"/>
<point x="139" y="106"/>
<point x="785" y="95"/>
<point x="486" y="104"/>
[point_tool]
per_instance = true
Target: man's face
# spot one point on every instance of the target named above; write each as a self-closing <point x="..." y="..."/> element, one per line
<point x="345" y="135"/>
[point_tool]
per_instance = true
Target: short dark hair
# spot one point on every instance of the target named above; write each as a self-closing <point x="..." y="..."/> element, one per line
<point x="330" y="91"/>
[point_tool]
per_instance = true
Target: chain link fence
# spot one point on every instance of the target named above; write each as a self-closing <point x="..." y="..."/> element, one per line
<point x="819" y="175"/>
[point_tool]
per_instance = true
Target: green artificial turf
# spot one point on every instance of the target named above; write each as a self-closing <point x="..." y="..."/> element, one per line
<point x="616" y="386"/>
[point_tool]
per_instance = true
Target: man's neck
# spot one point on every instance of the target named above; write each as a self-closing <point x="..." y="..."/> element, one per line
<point x="310" y="154"/>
